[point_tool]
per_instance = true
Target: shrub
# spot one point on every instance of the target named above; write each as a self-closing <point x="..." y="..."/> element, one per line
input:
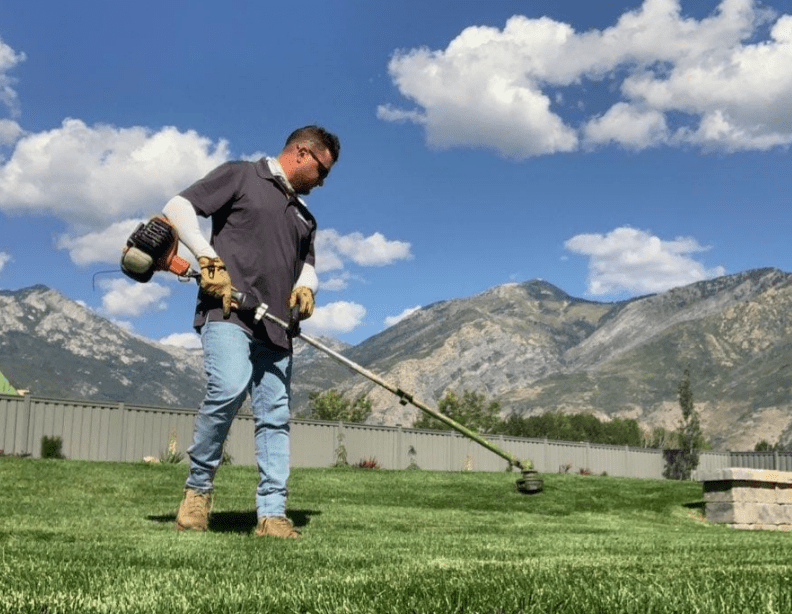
<point x="52" y="447"/>
<point x="412" y="453"/>
<point x="679" y="464"/>
<point x="172" y="454"/>
<point x="368" y="463"/>
<point x="468" y="464"/>
<point x="341" y="452"/>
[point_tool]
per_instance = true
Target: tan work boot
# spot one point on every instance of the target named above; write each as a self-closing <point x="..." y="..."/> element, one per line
<point x="276" y="526"/>
<point x="193" y="514"/>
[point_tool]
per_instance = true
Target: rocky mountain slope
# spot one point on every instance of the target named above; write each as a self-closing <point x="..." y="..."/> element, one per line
<point x="534" y="348"/>
<point x="530" y="346"/>
<point x="57" y="348"/>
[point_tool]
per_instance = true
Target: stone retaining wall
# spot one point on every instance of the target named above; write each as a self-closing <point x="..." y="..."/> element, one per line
<point x="748" y="498"/>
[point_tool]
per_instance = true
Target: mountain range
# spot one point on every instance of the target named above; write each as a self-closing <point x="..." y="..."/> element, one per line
<point x="529" y="346"/>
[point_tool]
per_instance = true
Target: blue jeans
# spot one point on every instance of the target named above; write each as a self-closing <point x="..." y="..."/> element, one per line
<point x="236" y="365"/>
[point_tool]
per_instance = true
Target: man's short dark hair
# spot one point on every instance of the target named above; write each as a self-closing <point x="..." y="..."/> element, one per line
<point x="318" y="135"/>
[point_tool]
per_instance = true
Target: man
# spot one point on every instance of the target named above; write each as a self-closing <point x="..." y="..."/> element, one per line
<point x="262" y="244"/>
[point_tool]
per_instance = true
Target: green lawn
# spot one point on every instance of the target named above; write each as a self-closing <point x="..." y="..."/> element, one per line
<point x="97" y="537"/>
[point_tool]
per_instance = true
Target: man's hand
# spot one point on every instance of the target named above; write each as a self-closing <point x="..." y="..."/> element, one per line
<point x="216" y="282"/>
<point x="304" y="298"/>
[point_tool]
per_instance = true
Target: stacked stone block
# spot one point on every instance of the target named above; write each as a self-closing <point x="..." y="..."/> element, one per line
<point x="748" y="498"/>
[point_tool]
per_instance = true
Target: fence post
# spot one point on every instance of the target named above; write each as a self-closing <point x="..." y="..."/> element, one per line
<point x="775" y="460"/>
<point x="28" y="425"/>
<point x="450" y="457"/>
<point x="545" y="454"/>
<point x="339" y="441"/>
<point x="399" y="434"/>
<point x="627" y="465"/>
<point x="122" y="447"/>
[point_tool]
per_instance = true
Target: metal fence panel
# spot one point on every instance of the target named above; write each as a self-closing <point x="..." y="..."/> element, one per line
<point x="467" y="455"/>
<point x="752" y="461"/>
<point x="713" y="460"/>
<point x="643" y="463"/>
<point x="239" y="445"/>
<point x="432" y="449"/>
<point x="371" y="442"/>
<point x="778" y="461"/>
<point x="13" y="420"/>
<point x="314" y="444"/>
<point x="116" y="432"/>
<point x="147" y="431"/>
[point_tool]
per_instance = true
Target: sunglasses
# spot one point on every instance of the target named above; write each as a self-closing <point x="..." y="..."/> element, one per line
<point x="323" y="170"/>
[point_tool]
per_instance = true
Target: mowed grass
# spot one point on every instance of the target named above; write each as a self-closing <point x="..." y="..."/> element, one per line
<point x="97" y="537"/>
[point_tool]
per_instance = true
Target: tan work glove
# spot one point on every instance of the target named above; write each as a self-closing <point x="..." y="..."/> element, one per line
<point x="215" y="281"/>
<point x="304" y="298"/>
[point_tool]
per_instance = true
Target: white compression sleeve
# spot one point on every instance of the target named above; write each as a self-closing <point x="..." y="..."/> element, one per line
<point x="181" y="214"/>
<point x="308" y="278"/>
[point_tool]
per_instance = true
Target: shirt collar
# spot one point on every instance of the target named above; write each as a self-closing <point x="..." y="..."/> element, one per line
<point x="277" y="171"/>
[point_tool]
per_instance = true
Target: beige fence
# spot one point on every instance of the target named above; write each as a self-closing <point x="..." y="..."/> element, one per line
<point x="120" y="432"/>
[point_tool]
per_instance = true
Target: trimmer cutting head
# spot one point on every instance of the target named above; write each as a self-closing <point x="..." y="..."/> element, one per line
<point x="529" y="482"/>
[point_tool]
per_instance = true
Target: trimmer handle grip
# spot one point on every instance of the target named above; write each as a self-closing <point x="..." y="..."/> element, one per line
<point x="294" y="322"/>
<point x="243" y="301"/>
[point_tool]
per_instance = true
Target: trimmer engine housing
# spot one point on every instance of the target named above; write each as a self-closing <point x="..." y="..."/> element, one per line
<point x="152" y="247"/>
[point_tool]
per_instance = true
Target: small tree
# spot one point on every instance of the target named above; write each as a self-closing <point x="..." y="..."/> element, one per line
<point x="470" y="410"/>
<point x="766" y="446"/>
<point x="331" y="405"/>
<point x="660" y="439"/>
<point x="681" y="462"/>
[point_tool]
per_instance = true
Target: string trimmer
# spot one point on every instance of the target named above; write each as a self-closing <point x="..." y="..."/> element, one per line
<point x="152" y="247"/>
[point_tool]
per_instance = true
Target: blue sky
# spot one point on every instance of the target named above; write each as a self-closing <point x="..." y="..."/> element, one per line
<point x="613" y="151"/>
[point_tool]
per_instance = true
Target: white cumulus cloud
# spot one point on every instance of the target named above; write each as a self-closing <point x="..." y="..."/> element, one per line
<point x="8" y="60"/>
<point x="334" y="248"/>
<point x="127" y="298"/>
<point x="92" y="176"/>
<point x="339" y="281"/>
<point x="10" y="131"/>
<point x="100" y="246"/>
<point x="189" y="341"/>
<point x="335" y="252"/>
<point x="106" y="245"/>
<point x="722" y="82"/>
<point x="635" y="261"/>
<point x="629" y="126"/>
<point x="391" y="320"/>
<point x="4" y="260"/>
<point x="335" y="318"/>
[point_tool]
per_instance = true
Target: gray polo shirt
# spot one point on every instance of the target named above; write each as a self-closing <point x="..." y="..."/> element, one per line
<point x="262" y="232"/>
